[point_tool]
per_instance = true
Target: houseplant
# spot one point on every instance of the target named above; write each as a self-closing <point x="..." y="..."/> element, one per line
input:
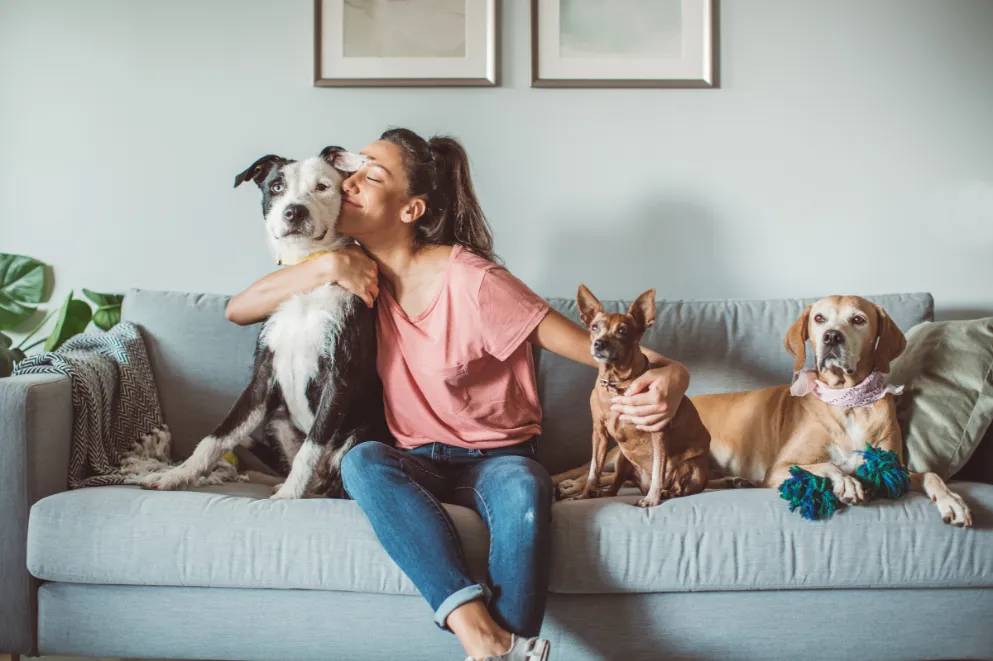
<point x="23" y="286"/>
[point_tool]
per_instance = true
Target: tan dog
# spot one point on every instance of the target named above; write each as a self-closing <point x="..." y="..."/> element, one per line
<point x="664" y="464"/>
<point x="757" y="435"/>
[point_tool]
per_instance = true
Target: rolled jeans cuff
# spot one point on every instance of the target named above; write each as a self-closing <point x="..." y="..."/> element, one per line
<point x="463" y="596"/>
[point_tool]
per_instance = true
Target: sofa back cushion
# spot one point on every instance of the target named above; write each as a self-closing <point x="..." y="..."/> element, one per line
<point x="202" y="361"/>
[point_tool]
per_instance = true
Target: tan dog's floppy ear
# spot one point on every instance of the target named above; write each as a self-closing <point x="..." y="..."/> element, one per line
<point x="643" y="310"/>
<point x="890" y="341"/>
<point x="589" y="306"/>
<point x="796" y="339"/>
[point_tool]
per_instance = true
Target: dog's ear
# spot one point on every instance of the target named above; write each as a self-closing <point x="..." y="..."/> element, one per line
<point x="589" y="306"/>
<point x="342" y="160"/>
<point x="796" y="339"/>
<point x="890" y="341"/>
<point x="643" y="310"/>
<point x="260" y="169"/>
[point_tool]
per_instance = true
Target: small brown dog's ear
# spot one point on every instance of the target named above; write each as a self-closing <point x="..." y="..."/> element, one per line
<point x="589" y="306"/>
<point x="890" y="341"/>
<point x="643" y="310"/>
<point x="796" y="339"/>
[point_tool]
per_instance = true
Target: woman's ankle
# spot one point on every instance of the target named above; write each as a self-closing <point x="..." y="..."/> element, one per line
<point x="479" y="634"/>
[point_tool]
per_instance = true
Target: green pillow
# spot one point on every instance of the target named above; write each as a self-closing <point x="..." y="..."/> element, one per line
<point x="947" y="403"/>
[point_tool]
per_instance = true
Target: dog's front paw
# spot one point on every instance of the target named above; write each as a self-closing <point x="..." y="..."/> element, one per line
<point x="171" y="480"/>
<point x="283" y="493"/>
<point x="954" y="510"/>
<point x="848" y="490"/>
<point x="648" y="502"/>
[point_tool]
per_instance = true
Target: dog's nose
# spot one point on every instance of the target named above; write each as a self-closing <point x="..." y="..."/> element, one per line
<point x="598" y="345"/>
<point x="833" y="338"/>
<point x="295" y="213"/>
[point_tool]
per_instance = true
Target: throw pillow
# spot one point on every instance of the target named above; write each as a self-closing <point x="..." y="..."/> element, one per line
<point x="947" y="404"/>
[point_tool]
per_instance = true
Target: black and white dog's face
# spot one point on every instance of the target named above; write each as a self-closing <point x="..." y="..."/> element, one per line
<point x="301" y="200"/>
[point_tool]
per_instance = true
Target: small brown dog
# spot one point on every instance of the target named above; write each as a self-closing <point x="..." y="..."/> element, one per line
<point x="664" y="464"/>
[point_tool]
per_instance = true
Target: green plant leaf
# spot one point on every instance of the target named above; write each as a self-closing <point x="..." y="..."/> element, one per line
<point x="6" y="356"/>
<point x="108" y="312"/>
<point x="73" y="318"/>
<point x="22" y="284"/>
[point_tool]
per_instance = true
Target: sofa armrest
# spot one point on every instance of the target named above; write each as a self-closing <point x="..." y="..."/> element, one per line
<point x="35" y="430"/>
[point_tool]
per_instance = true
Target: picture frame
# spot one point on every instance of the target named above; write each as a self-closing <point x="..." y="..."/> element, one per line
<point x="625" y="43"/>
<point x="406" y="43"/>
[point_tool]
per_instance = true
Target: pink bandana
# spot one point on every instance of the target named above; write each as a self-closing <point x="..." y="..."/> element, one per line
<point x="871" y="390"/>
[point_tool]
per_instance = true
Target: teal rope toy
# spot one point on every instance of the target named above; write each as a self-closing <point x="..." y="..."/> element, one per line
<point x="882" y="474"/>
<point x="810" y="494"/>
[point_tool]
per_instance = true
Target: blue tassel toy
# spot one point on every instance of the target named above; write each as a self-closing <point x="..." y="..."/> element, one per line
<point x="882" y="474"/>
<point x="810" y="494"/>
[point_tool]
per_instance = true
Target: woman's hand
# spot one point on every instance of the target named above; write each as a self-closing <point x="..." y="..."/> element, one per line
<point x="652" y="399"/>
<point x="354" y="270"/>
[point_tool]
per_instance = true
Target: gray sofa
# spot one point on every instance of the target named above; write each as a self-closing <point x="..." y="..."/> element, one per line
<point x="224" y="573"/>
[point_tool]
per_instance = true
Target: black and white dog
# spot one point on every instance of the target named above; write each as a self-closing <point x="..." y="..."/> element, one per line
<point x="314" y="383"/>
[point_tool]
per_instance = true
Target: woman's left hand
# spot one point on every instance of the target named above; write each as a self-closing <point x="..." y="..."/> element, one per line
<point x="652" y="399"/>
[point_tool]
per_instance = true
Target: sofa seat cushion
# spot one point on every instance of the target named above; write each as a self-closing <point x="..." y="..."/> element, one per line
<point x="746" y="539"/>
<point x="229" y="536"/>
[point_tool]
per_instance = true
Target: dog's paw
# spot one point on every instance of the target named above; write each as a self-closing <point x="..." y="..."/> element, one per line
<point x="648" y="502"/>
<point x="585" y="495"/>
<point x="953" y="510"/>
<point x="171" y="480"/>
<point x="283" y="493"/>
<point x="740" y="483"/>
<point x="275" y="489"/>
<point x="567" y="489"/>
<point x="848" y="490"/>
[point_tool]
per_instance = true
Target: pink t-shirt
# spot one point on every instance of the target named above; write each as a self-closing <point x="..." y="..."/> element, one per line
<point x="461" y="372"/>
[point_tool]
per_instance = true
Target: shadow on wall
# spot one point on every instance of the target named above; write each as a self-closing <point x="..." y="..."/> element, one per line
<point x="671" y="244"/>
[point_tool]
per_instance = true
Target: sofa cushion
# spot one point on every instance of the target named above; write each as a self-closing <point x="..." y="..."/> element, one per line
<point x="947" y="405"/>
<point x="726" y="346"/>
<point x="201" y="361"/>
<point x="228" y="536"/>
<point x="745" y="539"/>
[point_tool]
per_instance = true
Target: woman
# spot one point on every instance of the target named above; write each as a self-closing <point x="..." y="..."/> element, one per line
<point x="453" y="331"/>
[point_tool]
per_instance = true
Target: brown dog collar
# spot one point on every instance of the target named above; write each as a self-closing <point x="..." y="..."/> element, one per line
<point x="618" y="386"/>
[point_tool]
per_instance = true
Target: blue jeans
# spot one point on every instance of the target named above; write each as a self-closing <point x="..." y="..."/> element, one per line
<point x="401" y="493"/>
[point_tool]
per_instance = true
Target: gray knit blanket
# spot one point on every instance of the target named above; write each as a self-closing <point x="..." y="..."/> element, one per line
<point x="118" y="433"/>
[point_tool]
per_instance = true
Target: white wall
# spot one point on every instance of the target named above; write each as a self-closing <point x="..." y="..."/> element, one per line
<point x="849" y="149"/>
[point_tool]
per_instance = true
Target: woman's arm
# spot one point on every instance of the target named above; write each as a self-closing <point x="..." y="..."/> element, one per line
<point x="351" y="268"/>
<point x="650" y="401"/>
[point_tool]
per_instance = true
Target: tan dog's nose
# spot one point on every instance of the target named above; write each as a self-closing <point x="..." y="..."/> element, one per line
<point x="833" y="338"/>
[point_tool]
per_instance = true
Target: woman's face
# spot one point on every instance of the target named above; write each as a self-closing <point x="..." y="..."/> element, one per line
<point x="375" y="199"/>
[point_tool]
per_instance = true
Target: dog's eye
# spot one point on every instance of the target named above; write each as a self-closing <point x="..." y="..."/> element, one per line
<point x="858" y="320"/>
<point x="819" y="318"/>
<point x="322" y="187"/>
<point x="622" y="331"/>
<point x="276" y="188"/>
<point x="595" y="328"/>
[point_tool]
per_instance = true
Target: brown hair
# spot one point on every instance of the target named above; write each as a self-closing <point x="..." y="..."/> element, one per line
<point x="438" y="170"/>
